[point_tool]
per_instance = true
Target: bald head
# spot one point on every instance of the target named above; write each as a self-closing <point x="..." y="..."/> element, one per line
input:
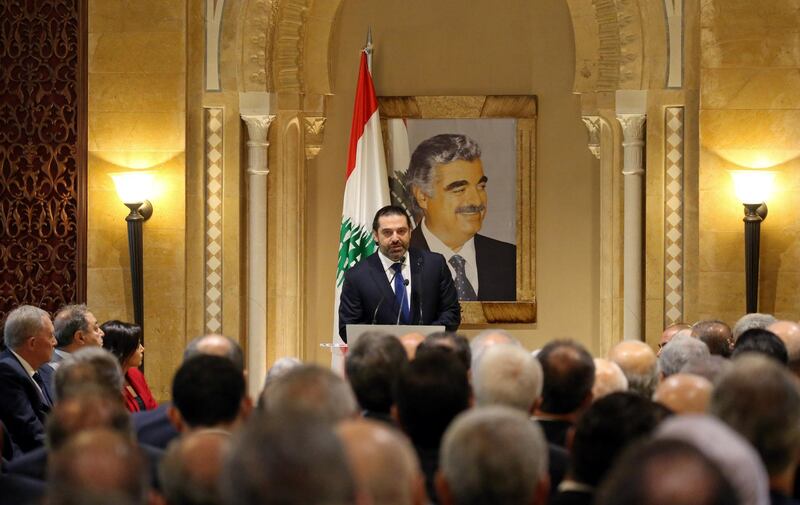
<point x="669" y="332"/>
<point x="487" y="339"/>
<point x="684" y="393"/>
<point x="384" y="463"/>
<point x="716" y="335"/>
<point x="216" y="345"/>
<point x="639" y="364"/>
<point x="608" y="378"/>
<point x="192" y="465"/>
<point x="789" y="333"/>
<point x="410" y="343"/>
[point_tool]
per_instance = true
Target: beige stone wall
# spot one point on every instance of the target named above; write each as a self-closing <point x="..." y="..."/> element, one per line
<point x="443" y="48"/>
<point x="749" y="112"/>
<point x="137" y="120"/>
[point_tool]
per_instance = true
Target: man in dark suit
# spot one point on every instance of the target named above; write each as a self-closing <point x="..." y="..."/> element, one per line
<point x="446" y="179"/>
<point x="398" y="284"/>
<point x="24" y="399"/>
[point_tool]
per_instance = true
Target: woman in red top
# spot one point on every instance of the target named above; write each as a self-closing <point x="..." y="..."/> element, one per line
<point x="124" y="341"/>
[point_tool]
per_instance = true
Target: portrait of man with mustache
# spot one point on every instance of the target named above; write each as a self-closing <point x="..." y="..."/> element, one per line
<point x="445" y="176"/>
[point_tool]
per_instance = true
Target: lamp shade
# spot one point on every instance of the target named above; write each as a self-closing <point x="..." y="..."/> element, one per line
<point x="135" y="186"/>
<point x="753" y="186"/>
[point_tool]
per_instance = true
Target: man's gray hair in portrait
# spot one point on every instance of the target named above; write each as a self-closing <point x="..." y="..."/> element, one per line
<point x="437" y="150"/>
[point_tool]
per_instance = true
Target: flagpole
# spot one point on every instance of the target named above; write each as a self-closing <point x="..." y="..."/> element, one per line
<point x="368" y="49"/>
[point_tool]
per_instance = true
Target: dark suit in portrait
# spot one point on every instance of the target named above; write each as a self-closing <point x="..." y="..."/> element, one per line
<point x="22" y="408"/>
<point x="367" y="297"/>
<point x="496" y="263"/>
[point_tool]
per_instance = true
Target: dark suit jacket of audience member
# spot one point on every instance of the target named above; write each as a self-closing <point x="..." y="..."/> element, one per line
<point x="557" y="463"/>
<point x="33" y="465"/>
<point x="496" y="264"/>
<point x="555" y="431"/>
<point x="574" y="497"/>
<point x="153" y="427"/>
<point x="16" y="490"/>
<point x="22" y="409"/>
<point x="429" y="462"/>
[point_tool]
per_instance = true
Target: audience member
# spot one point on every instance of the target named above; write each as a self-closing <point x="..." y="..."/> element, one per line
<point x="684" y="393"/>
<point x="608" y="378"/>
<point x="710" y="367"/>
<point x="311" y="391"/>
<point x="97" y="466"/>
<point x="453" y="342"/>
<point x="287" y="461"/>
<point x="789" y="333"/>
<point x="760" y="400"/>
<point x="91" y="368"/>
<point x="761" y="341"/>
<point x="750" y="321"/>
<point x="679" y="351"/>
<point x="493" y="455"/>
<point x="208" y="392"/>
<point x="372" y="366"/>
<point x="383" y="462"/>
<point x="716" y="335"/>
<point x="192" y="467"/>
<point x="24" y="398"/>
<point x="669" y="332"/>
<point x="666" y="472"/>
<point x="216" y="345"/>
<point x="124" y="341"/>
<point x="486" y="339"/>
<point x="410" y="343"/>
<point x="74" y="327"/>
<point x="568" y="379"/>
<point x="608" y="426"/>
<point x="430" y="392"/>
<point x="18" y="490"/>
<point x="735" y="457"/>
<point x="639" y="364"/>
<point x="279" y="369"/>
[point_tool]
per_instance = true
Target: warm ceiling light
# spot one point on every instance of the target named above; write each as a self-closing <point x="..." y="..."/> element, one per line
<point x="753" y="186"/>
<point x="135" y="186"/>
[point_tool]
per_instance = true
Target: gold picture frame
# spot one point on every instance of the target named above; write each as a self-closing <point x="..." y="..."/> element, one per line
<point x="523" y="109"/>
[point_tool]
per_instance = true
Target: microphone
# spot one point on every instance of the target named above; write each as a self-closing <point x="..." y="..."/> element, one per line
<point x="391" y="281"/>
<point x="400" y="308"/>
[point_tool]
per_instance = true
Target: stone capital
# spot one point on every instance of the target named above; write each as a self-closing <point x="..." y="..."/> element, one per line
<point x="257" y="127"/>
<point x="592" y="124"/>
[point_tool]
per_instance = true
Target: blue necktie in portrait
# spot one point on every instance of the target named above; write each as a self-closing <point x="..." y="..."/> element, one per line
<point x="465" y="290"/>
<point x="400" y="293"/>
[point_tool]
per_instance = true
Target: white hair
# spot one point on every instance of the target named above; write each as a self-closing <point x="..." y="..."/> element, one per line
<point x="507" y="375"/>
<point x="22" y="323"/>
<point x="750" y="321"/>
<point x="486" y="339"/>
<point x="679" y="351"/>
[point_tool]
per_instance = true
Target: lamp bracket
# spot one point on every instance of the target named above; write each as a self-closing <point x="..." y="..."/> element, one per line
<point x="139" y="212"/>
<point x="755" y="211"/>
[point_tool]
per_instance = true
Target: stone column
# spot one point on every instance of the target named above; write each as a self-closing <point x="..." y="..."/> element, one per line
<point x="633" y="128"/>
<point x="257" y="170"/>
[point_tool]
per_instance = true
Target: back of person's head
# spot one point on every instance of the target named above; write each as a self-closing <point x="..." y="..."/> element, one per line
<point x="89" y="368"/>
<point x="287" y="461"/>
<point x="208" y="391"/>
<point x="191" y="468"/>
<point x="121" y="339"/>
<point x="716" y="335"/>
<point x="639" y="363"/>
<point x="711" y="367"/>
<point x="384" y="464"/>
<point x="493" y="455"/>
<point x="451" y="341"/>
<point x="486" y="339"/>
<point x="568" y="376"/>
<point x="750" y="321"/>
<point x="679" y="351"/>
<point x="22" y="323"/>
<point x="83" y="411"/>
<point x="310" y="391"/>
<point x="606" y="428"/>
<point x="431" y="390"/>
<point x="608" y="378"/>
<point x="789" y="333"/>
<point x="733" y="455"/>
<point x="760" y="400"/>
<point x="684" y="393"/>
<point x="507" y="375"/>
<point x="666" y="472"/>
<point x="68" y="320"/>
<point x="216" y="345"/>
<point x="97" y="467"/>
<point x="761" y="341"/>
<point x="372" y="366"/>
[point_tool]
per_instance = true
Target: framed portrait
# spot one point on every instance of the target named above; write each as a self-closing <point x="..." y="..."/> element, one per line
<point x="463" y="168"/>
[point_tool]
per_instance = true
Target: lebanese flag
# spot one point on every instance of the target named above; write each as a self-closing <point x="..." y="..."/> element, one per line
<point x="366" y="189"/>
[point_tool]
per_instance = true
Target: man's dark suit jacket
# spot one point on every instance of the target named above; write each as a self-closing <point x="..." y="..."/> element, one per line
<point x="153" y="427"/>
<point x="367" y="297"/>
<point x="496" y="262"/>
<point x="15" y="490"/>
<point x="22" y="410"/>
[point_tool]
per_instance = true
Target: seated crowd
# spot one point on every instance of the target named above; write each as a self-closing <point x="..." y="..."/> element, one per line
<point x="712" y="418"/>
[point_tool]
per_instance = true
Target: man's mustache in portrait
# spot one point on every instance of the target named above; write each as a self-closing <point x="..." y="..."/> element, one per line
<point x="470" y="209"/>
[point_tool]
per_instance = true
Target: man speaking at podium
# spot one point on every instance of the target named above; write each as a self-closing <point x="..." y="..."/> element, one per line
<point x="398" y="285"/>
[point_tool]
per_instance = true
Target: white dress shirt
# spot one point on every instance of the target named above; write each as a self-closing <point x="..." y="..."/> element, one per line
<point x="467" y="252"/>
<point x="406" y="271"/>
<point x="28" y="368"/>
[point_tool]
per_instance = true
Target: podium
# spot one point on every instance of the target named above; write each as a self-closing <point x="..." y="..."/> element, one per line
<point x="355" y="331"/>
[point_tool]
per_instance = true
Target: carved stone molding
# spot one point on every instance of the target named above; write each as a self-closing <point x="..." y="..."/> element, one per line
<point x="592" y="124"/>
<point x="631" y="44"/>
<point x="609" y="49"/>
<point x="258" y="29"/>
<point x="314" y="135"/>
<point x="288" y="54"/>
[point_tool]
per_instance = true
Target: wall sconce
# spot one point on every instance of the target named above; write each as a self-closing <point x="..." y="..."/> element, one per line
<point x="134" y="189"/>
<point x="753" y="188"/>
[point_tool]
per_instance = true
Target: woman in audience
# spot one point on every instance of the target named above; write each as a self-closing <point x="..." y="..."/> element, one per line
<point x="124" y="341"/>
